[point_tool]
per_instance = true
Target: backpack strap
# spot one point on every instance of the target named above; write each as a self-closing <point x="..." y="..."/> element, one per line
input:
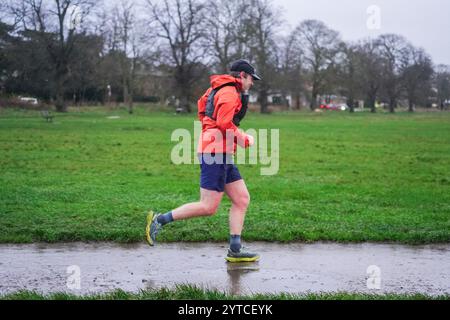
<point x="210" y="107"/>
<point x="241" y="114"/>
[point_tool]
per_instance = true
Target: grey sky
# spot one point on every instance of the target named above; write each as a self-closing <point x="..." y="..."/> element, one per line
<point x="426" y="23"/>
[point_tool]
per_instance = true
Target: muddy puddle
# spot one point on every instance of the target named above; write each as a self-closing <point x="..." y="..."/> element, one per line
<point x="80" y="268"/>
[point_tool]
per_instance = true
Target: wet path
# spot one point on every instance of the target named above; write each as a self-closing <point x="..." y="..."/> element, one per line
<point x="292" y="268"/>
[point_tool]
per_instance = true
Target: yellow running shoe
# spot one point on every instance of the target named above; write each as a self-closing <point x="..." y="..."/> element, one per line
<point x="242" y="256"/>
<point x="152" y="228"/>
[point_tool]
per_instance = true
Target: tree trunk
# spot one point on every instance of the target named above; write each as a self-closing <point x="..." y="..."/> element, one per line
<point x="125" y="91"/>
<point x="410" y="106"/>
<point x="184" y="103"/>
<point x="371" y="100"/>
<point x="313" y="104"/>
<point x="263" y="101"/>
<point x="314" y="95"/>
<point x="130" y="95"/>
<point x="60" y="104"/>
<point x="130" y="104"/>
<point x="392" y="104"/>
<point x="297" y="101"/>
<point x="351" y="104"/>
<point x="185" y="97"/>
<point x="183" y="85"/>
<point x="83" y="97"/>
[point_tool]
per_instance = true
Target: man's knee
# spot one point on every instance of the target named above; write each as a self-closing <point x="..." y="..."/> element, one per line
<point x="243" y="201"/>
<point x="210" y="208"/>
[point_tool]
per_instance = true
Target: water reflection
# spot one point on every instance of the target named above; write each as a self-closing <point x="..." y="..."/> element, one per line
<point x="237" y="271"/>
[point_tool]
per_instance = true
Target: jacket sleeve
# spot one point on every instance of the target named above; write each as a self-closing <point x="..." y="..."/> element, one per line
<point x="227" y="102"/>
<point x="201" y="107"/>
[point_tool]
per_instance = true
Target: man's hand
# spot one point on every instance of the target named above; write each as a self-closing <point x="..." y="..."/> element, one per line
<point x="251" y="140"/>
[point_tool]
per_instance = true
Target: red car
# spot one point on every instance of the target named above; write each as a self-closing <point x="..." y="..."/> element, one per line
<point x="336" y="107"/>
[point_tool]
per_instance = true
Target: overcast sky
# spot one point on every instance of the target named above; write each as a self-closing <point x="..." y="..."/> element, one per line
<point x="426" y="23"/>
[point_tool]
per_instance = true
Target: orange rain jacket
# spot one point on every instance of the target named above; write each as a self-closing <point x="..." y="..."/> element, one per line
<point x="227" y="102"/>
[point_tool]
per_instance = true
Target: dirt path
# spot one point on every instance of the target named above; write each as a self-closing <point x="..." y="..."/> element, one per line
<point x="293" y="268"/>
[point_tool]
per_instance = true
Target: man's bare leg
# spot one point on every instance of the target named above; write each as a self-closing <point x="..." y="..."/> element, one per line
<point x="240" y="199"/>
<point x="208" y="205"/>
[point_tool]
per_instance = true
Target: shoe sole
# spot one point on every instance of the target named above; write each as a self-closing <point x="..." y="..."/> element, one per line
<point x="147" y="228"/>
<point x="237" y="260"/>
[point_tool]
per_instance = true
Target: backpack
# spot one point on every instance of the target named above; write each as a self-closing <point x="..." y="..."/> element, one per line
<point x="210" y="107"/>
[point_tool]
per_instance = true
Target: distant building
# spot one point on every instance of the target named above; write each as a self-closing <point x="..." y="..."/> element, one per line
<point x="274" y="98"/>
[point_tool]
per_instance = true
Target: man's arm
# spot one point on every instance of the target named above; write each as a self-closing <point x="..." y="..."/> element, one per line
<point x="227" y="103"/>
<point x="201" y="106"/>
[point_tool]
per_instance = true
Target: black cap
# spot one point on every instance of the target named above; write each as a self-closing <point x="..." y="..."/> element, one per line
<point x="244" y="65"/>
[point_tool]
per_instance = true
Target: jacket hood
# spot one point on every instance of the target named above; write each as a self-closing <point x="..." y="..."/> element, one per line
<point x="220" y="80"/>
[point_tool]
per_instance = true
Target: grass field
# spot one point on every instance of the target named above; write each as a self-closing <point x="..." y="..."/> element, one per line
<point x="342" y="177"/>
<point x="188" y="292"/>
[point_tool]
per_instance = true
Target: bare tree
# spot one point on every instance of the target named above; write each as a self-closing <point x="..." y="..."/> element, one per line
<point x="320" y="45"/>
<point x="56" y="23"/>
<point x="108" y="28"/>
<point x="394" y="51"/>
<point x="417" y="75"/>
<point x="263" y="25"/>
<point x="125" y="38"/>
<point x="291" y="69"/>
<point x="179" y="24"/>
<point x="348" y="74"/>
<point x="125" y="18"/>
<point x="369" y="71"/>
<point x="225" y="32"/>
<point x="442" y="85"/>
<point x="3" y="10"/>
<point x="5" y="40"/>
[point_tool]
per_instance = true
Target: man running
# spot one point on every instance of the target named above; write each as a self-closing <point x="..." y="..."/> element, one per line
<point x="221" y="109"/>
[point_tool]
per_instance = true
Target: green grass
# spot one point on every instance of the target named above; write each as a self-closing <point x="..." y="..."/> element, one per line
<point x="343" y="177"/>
<point x="189" y="292"/>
